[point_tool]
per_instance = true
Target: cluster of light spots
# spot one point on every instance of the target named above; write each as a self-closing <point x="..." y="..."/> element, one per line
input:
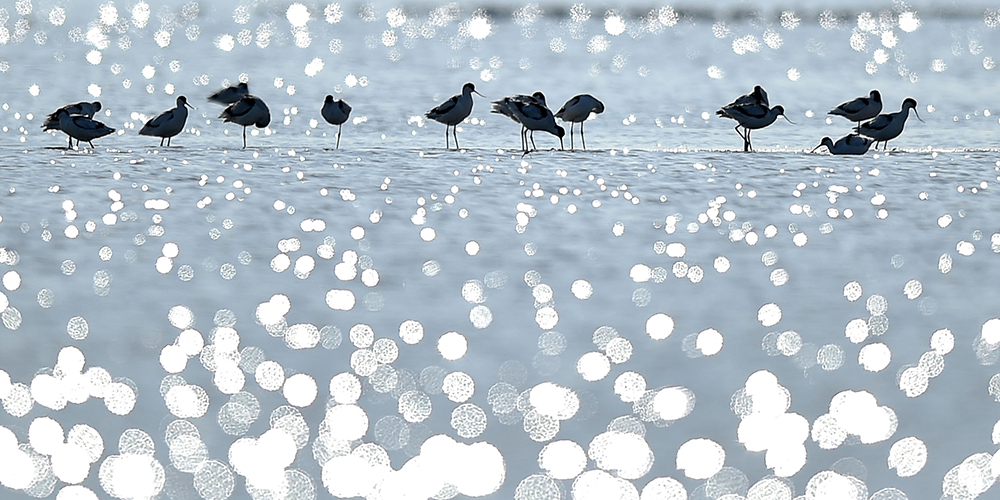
<point x="765" y="424"/>
<point x="913" y="380"/>
<point x="854" y="413"/>
<point x="829" y="485"/>
<point x="134" y="472"/>
<point x="66" y="383"/>
<point x="441" y="465"/>
<point x="264" y="460"/>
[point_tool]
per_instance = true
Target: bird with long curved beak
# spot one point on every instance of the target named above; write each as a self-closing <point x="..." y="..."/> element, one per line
<point x="168" y="123"/>
<point x="884" y="128"/>
<point x="453" y="111"/>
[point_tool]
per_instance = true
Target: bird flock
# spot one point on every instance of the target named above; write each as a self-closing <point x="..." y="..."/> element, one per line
<point x="751" y="111"/>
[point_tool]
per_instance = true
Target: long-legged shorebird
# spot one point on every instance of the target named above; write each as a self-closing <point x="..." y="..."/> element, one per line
<point x="168" y="123"/>
<point x="250" y="110"/>
<point x="87" y="109"/>
<point x="884" y="128"/>
<point x="751" y="117"/>
<point x="81" y="128"/>
<point x="336" y="113"/>
<point x="533" y="116"/>
<point x="453" y="111"/>
<point x="503" y="107"/>
<point x="578" y="110"/>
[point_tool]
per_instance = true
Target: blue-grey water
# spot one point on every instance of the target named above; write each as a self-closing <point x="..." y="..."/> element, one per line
<point x="639" y="320"/>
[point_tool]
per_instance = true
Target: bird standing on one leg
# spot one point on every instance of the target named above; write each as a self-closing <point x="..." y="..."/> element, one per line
<point x="249" y="110"/>
<point x="336" y="113"/>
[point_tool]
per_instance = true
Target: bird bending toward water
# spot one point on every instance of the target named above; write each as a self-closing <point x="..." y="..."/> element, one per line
<point x="758" y="96"/>
<point x="250" y="110"/>
<point x="87" y="109"/>
<point x="848" y="145"/>
<point x="860" y="109"/>
<point x="503" y="107"/>
<point x="168" y="123"/>
<point x="751" y="117"/>
<point x="453" y="111"/>
<point x="533" y="116"/>
<point x="230" y="95"/>
<point x="888" y="126"/>
<point x="336" y="113"/>
<point x="81" y="128"/>
<point x="577" y="110"/>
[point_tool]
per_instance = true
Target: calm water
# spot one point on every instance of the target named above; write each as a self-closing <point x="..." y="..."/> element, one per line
<point x="646" y="317"/>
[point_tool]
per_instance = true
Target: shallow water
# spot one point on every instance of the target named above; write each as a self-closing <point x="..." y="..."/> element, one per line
<point x="780" y="255"/>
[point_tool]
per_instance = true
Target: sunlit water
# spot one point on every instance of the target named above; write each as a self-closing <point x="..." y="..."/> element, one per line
<point x="660" y="315"/>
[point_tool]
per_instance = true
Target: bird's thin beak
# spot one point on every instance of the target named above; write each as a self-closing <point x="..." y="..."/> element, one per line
<point x="813" y="150"/>
<point x="190" y="106"/>
<point x="786" y="118"/>
<point x="477" y="93"/>
<point x="918" y="115"/>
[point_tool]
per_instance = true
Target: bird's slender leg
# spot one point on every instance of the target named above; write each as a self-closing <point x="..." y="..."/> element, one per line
<point x="583" y="137"/>
<point x="244" y="137"/>
<point x="161" y="142"/>
<point x="70" y="141"/>
<point x="524" y="138"/>
<point x="338" y="135"/>
<point x="749" y="145"/>
<point x="571" y="147"/>
<point x="454" y="132"/>
<point x="533" y="147"/>
<point x="91" y="145"/>
<point x="737" y="129"/>
<point x="168" y="142"/>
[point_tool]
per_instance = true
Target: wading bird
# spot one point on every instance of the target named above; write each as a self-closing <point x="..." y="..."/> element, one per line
<point x="168" y="123"/>
<point x="886" y="127"/>
<point x="848" y="145"/>
<point x="87" y="109"/>
<point x="502" y="107"/>
<point x="751" y="117"/>
<point x="250" y="110"/>
<point x="577" y="110"/>
<point x="81" y="128"/>
<point x="533" y="116"/>
<point x="336" y="113"/>
<point x="758" y="96"/>
<point x="860" y="109"/>
<point x="453" y="111"/>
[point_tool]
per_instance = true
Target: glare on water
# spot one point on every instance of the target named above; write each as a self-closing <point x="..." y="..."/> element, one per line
<point x="659" y="317"/>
